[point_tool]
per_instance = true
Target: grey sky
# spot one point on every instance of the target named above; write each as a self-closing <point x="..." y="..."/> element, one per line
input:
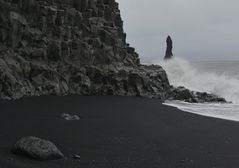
<point x="200" y="29"/>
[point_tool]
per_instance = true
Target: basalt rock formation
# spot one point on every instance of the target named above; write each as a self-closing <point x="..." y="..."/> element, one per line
<point x="183" y="94"/>
<point x="169" y="53"/>
<point x="70" y="47"/>
<point x="65" y="47"/>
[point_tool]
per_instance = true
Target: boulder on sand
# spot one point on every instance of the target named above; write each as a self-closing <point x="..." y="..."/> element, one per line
<point x="37" y="148"/>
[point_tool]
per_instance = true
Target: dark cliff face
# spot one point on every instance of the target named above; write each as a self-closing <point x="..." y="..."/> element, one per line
<point x="71" y="47"/>
<point x="67" y="29"/>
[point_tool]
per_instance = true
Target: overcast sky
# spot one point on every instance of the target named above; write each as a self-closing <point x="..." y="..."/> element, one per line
<point x="200" y="29"/>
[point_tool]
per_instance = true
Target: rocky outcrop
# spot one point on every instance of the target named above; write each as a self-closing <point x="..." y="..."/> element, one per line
<point x="183" y="94"/>
<point x="169" y="53"/>
<point x="65" y="47"/>
<point x="37" y="148"/>
<point x="70" y="47"/>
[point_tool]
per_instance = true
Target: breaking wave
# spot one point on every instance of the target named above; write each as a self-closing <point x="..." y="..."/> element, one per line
<point x="226" y="84"/>
<point x="183" y="73"/>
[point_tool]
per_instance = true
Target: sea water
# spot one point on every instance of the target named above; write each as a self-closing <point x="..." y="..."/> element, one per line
<point x="216" y="77"/>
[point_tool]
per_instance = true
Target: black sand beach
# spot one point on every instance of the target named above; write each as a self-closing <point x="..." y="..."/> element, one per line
<point x="117" y="132"/>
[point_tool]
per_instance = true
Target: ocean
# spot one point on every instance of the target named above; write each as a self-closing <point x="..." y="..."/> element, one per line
<point x="217" y="77"/>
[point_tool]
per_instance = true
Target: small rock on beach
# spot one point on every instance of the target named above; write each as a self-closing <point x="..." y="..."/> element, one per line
<point x="69" y="117"/>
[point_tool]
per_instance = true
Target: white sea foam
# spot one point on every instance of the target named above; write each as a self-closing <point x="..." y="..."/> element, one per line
<point x="223" y="111"/>
<point x="226" y="84"/>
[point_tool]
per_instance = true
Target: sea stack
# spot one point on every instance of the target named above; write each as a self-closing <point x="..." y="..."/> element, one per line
<point x="169" y="53"/>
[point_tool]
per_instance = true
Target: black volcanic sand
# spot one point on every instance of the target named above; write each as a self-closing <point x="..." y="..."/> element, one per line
<point x="117" y="132"/>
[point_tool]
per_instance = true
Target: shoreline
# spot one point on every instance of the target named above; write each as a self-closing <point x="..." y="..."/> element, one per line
<point x="216" y="116"/>
<point x="117" y="132"/>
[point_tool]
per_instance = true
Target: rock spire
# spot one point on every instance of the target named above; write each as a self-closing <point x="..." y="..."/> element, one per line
<point x="169" y="53"/>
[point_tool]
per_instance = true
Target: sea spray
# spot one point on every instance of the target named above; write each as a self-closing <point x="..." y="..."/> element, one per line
<point x="225" y="84"/>
<point x="182" y="73"/>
